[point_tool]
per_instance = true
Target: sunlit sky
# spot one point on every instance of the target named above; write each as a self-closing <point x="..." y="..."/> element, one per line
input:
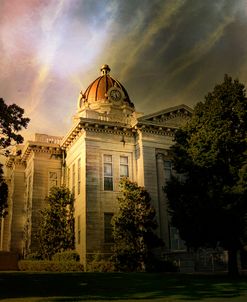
<point x="165" y="52"/>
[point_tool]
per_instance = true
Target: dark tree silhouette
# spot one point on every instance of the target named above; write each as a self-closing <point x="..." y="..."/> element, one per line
<point x="208" y="205"/>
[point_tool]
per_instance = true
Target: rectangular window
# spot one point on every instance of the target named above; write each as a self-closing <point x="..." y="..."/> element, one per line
<point x="176" y="243"/>
<point x="124" y="166"/>
<point x="79" y="229"/>
<point x="73" y="179"/>
<point x="53" y="180"/>
<point x="108" y="173"/>
<point x="79" y="175"/>
<point x="108" y="238"/>
<point x="168" y="169"/>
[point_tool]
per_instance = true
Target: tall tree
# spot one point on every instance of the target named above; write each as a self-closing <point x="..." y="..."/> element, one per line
<point x="209" y="205"/>
<point x="133" y="228"/>
<point x="11" y="122"/>
<point x="56" y="232"/>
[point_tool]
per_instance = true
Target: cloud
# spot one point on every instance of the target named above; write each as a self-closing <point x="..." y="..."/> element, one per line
<point x="163" y="20"/>
<point x="199" y="50"/>
<point x="165" y="52"/>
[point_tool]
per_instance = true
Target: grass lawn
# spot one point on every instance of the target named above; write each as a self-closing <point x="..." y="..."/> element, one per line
<point x="27" y="287"/>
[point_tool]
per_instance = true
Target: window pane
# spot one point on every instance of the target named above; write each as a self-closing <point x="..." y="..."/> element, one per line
<point x="124" y="171"/>
<point x="107" y="169"/>
<point x="108" y="184"/>
<point x="168" y="169"/>
<point x="176" y="242"/>
<point x="108" y="172"/>
<point x="107" y="158"/>
<point x="108" y="227"/>
<point x="53" y="182"/>
<point x="124" y="160"/>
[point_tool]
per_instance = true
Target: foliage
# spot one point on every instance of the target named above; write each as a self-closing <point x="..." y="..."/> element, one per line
<point x="66" y="256"/>
<point x="49" y="266"/>
<point x="161" y="266"/>
<point x="11" y="122"/>
<point x="33" y="256"/>
<point x="3" y="194"/>
<point x="100" y="264"/>
<point x="133" y="228"/>
<point x="208" y="205"/>
<point x="56" y="232"/>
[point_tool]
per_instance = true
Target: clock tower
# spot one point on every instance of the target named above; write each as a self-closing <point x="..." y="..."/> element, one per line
<point x="106" y="99"/>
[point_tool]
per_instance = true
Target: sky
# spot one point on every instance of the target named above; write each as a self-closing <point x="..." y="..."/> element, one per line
<point x="164" y="52"/>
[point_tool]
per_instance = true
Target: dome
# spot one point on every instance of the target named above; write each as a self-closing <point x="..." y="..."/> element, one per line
<point x="105" y="89"/>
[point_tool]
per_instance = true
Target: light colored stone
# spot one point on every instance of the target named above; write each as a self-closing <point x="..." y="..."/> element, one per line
<point x="145" y="141"/>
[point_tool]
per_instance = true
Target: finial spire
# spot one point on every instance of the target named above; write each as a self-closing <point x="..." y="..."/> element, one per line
<point x="105" y="69"/>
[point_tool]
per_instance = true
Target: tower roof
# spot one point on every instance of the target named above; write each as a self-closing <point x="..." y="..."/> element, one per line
<point x="98" y="90"/>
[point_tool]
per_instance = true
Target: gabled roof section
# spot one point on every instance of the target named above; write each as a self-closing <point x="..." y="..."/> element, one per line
<point x="173" y="117"/>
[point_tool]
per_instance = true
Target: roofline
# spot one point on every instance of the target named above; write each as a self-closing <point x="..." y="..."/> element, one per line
<point x="168" y="110"/>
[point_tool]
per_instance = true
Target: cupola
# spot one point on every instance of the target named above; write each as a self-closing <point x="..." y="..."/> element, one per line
<point x="104" y="89"/>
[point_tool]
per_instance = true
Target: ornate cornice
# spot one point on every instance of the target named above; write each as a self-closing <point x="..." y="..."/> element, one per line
<point x="85" y="125"/>
<point x="38" y="147"/>
<point x="182" y="111"/>
<point x="147" y="127"/>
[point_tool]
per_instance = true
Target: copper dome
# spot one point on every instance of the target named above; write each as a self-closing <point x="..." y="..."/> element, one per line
<point x="97" y="90"/>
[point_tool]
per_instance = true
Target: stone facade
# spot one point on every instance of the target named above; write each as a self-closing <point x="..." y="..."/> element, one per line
<point x="108" y="140"/>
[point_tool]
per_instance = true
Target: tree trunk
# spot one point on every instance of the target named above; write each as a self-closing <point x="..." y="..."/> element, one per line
<point x="233" y="263"/>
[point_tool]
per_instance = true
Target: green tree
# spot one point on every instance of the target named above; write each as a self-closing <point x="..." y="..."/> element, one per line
<point x="11" y="122"/>
<point x="56" y="232"/>
<point x="208" y="205"/>
<point x="133" y="228"/>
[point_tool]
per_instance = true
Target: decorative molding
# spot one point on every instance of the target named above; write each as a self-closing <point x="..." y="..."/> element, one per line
<point x="156" y="129"/>
<point x="37" y="148"/>
<point x="169" y="113"/>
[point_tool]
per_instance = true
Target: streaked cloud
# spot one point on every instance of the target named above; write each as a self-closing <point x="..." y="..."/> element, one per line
<point x="165" y="52"/>
<point x="199" y="50"/>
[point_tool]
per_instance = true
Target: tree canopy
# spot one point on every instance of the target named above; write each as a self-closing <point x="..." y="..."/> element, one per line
<point x="11" y="122"/>
<point x="56" y="231"/>
<point x="133" y="228"/>
<point x="208" y="205"/>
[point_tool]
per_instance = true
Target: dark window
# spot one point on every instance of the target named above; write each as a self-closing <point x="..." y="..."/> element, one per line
<point x="168" y="169"/>
<point x="79" y="176"/>
<point x="108" y="227"/>
<point x="108" y="173"/>
<point x="176" y="243"/>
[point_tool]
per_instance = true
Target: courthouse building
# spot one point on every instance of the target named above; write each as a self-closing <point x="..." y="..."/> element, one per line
<point x="108" y="140"/>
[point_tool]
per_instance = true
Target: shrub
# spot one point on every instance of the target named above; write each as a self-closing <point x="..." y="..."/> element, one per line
<point x="49" y="266"/>
<point x="100" y="264"/>
<point x="158" y="265"/>
<point x="66" y="256"/>
<point x="33" y="256"/>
